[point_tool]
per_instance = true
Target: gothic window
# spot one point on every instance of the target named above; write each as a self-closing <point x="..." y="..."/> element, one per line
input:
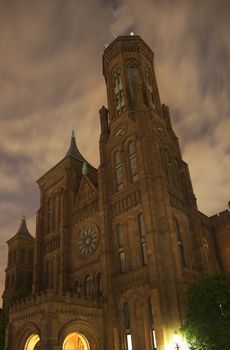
<point x="10" y="259"/>
<point x="132" y="161"/>
<point x="118" y="90"/>
<point x="127" y="327"/>
<point x="21" y="279"/>
<point x="22" y="256"/>
<point x="29" y="280"/>
<point x="151" y="322"/>
<point x="142" y="239"/>
<point x="179" y="242"/>
<point x="118" y="170"/>
<point x="99" y="285"/>
<point x="169" y="167"/>
<point x="77" y="288"/>
<point x="14" y="256"/>
<point x="30" y="257"/>
<point x="88" y="286"/>
<point x="208" y="257"/>
<point x="121" y="252"/>
<point x="12" y="281"/>
<point x="49" y="214"/>
<point x="132" y="72"/>
<point x="149" y="86"/>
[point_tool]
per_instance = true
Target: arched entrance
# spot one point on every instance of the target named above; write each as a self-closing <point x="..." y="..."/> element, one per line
<point x="31" y="342"/>
<point x="75" y="341"/>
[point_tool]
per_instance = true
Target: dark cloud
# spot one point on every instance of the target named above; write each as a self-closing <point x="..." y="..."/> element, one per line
<point x="51" y="82"/>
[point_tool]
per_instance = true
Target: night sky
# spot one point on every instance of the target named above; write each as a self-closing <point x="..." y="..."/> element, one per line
<point x="51" y="82"/>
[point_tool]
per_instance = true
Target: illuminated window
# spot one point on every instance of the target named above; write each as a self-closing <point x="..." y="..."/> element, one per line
<point x="31" y="342"/>
<point x="142" y="238"/>
<point x="151" y="322"/>
<point x="179" y="242"/>
<point x="119" y="93"/>
<point x="127" y="327"/>
<point x="118" y="170"/>
<point x="132" y="72"/>
<point x="132" y="161"/>
<point x="75" y="341"/>
<point x="121" y="252"/>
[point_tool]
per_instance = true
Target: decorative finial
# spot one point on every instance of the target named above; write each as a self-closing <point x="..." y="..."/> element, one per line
<point x="73" y="134"/>
<point x="84" y="169"/>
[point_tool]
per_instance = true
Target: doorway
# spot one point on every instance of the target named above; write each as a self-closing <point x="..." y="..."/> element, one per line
<point x="31" y="342"/>
<point x="76" y="341"/>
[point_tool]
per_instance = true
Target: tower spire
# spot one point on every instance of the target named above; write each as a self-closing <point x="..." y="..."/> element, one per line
<point x="73" y="149"/>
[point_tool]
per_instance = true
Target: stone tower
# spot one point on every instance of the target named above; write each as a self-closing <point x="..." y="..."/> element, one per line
<point x="19" y="271"/>
<point x="117" y="246"/>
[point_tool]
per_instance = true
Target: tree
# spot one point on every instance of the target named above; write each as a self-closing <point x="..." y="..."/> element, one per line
<point x="208" y="313"/>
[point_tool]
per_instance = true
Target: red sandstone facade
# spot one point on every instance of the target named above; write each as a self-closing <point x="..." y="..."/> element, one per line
<point x="116" y="246"/>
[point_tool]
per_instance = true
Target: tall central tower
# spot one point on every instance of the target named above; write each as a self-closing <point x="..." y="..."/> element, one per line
<point x="153" y="237"/>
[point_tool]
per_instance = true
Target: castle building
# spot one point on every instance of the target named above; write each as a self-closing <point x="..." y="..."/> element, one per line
<point x="117" y="246"/>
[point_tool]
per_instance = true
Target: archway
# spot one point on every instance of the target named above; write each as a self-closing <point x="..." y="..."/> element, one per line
<point x="75" y="341"/>
<point x="31" y="342"/>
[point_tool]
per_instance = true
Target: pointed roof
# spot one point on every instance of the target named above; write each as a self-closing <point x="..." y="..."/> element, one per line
<point x="22" y="231"/>
<point x="73" y="150"/>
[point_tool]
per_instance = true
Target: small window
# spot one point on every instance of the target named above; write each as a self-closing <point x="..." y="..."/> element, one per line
<point x="22" y="256"/>
<point x="132" y="72"/>
<point x="122" y="261"/>
<point x="132" y="161"/>
<point x="127" y="327"/>
<point x="120" y="236"/>
<point x="149" y="86"/>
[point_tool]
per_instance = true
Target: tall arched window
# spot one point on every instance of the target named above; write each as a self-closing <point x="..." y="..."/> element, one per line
<point x="151" y="321"/>
<point x="77" y="288"/>
<point x="132" y="161"/>
<point x="149" y="86"/>
<point x="99" y="285"/>
<point x="118" y="90"/>
<point x="22" y="256"/>
<point x="118" y="170"/>
<point x="88" y="286"/>
<point x="49" y="215"/>
<point x="121" y="251"/>
<point x="180" y="242"/>
<point x="127" y="327"/>
<point x="169" y="167"/>
<point x="132" y="72"/>
<point x="142" y="238"/>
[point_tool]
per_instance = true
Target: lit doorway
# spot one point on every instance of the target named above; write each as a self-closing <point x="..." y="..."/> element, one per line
<point x="75" y="341"/>
<point x="31" y="342"/>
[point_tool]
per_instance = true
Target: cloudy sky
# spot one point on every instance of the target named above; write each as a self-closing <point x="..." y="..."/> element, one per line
<point x="51" y="82"/>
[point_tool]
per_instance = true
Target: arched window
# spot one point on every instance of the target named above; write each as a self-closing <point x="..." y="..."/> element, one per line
<point x="127" y="327"/>
<point x="149" y="86"/>
<point x="118" y="90"/>
<point x="118" y="170"/>
<point x="132" y="161"/>
<point x="132" y="72"/>
<point x="49" y="215"/>
<point x="99" y="285"/>
<point x="22" y="256"/>
<point x="88" y="286"/>
<point x="77" y="288"/>
<point x="30" y="257"/>
<point x="151" y="322"/>
<point x="121" y="252"/>
<point x="142" y="238"/>
<point x="169" y="167"/>
<point x="180" y="242"/>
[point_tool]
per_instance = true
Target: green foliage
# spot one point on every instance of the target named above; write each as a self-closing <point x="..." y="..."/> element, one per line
<point x="208" y="314"/>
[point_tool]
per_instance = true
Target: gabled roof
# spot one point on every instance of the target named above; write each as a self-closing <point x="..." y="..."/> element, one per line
<point x="73" y="150"/>
<point x="22" y="232"/>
